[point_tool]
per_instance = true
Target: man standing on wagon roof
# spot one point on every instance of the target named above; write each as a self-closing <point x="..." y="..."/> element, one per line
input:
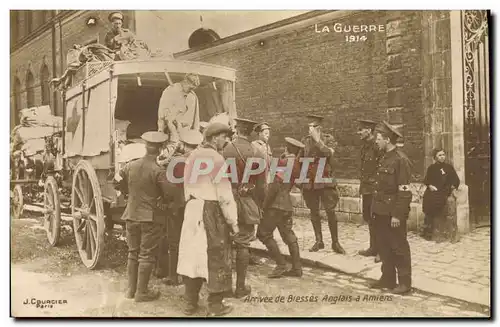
<point x="118" y="35"/>
<point x="178" y="108"/>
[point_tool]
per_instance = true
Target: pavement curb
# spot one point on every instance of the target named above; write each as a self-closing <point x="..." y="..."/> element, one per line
<point x="457" y="292"/>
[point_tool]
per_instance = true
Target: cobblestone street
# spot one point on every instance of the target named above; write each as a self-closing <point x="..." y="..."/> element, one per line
<point x="41" y="272"/>
<point x="460" y="270"/>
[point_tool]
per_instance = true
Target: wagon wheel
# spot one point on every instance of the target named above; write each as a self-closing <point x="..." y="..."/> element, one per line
<point x="17" y="202"/>
<point x="88" y="214"/>
<point x="52" y="211"/>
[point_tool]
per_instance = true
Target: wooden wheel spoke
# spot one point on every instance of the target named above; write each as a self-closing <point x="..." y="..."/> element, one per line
<point x="81" y="188"/>
<point x="92" y="204"/>
<point x="88" y="249"/>
<point x="79" y="195"/>
<point x="84" y="238"/>
<point x="80" y="227"/>
<point x="93" y="237"/>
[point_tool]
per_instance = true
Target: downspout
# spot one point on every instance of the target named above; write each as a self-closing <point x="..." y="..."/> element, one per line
<point x="54" y="66"/>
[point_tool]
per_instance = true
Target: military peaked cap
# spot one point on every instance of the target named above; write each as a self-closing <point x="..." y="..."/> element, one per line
<point x="294" y="143"/>
<point x="367" y="123"/>
<point x="217" y="128"/>
<point x="115" y="15"/>
<point x="191" y="136"/>
<point x="155" y="137"/>
<point x="261" y="126"/>
<point x="388" y="129"/>
<point x="245" y="122"/>
<point x="315" y="119"/>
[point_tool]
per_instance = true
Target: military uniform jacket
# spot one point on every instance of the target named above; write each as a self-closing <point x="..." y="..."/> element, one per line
<point x="142" y="180"/>
<point x="240" y="150"/>
<point x="278" y="192"/>
<point x="114" y="41"/>
<point x="370" y="155"/>
<point x="392" y="190"/>
<point x="318" y="150"/>
<point x="264" y="148"/>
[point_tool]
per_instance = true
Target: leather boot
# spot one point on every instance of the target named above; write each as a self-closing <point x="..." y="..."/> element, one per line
<point x="404" y="286"/>
<point x="192" y="294"/>
<point x="132" y="271"/>
<point x="173" y="278"/>
<point x="296" y="270"/>
<point x="316" y="223"/>
<point x="332" y="224"/>
<point x="371" y="251"/>
<point x="275" y="253"/>
<point x="242" y="257"/>
<point x="143" y="294"/>
<point x="216" y="306"/>
<point x="382" y="283"/>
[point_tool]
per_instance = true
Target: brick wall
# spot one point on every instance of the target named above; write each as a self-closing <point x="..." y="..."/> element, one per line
<point x="37" y="52"/>
<point x="302" y="72"/>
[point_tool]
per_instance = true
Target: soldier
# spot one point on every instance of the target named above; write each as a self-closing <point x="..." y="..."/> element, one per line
<point x="391" y="207"/>
<point x="321" y="147"/>
<point x="278" y="211"/>
<point x="262" y="143"/>
<point x="143" y="219"/>
<point x="370" y="154"/>
<point x="249" y="198"/>
<point x="210" y="216"/>
<point x="118" y="35"/>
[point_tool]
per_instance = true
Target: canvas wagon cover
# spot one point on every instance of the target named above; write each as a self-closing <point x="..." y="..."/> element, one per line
<point x="94" y="140"/>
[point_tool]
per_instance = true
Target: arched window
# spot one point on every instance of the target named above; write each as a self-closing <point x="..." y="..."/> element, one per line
<point x="17" y="100"/>
<point x="30" y="91"/>
<point x="44" y="78"/>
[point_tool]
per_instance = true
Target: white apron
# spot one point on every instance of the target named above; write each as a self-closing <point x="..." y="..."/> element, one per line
<point x="193" y="258"/>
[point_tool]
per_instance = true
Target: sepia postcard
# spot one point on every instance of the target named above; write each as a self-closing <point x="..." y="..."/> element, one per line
<point x="320" y="163"/>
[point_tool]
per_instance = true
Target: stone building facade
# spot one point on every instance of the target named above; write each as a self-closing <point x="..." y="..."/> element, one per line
<point x="411" y="68"/>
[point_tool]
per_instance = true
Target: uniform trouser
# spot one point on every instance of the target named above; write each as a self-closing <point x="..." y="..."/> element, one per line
<point x="143" y="240"/>
<point x="242" y="243"/>
<point x="329" y="198"/>
<point x="174" y="227"/>
<point x="275" y="218"/>
<point x="368" y="218"/>
<point x="394" y="251"/>
<point x="192" y="294"/>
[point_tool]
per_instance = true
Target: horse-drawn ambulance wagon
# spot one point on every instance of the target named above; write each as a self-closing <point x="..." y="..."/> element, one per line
<point x="107" y="107"/>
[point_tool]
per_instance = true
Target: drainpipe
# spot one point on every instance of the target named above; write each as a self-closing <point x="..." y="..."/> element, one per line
<point x="54" y="68"/>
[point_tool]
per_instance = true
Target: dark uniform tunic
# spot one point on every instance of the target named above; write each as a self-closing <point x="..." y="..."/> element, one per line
<point x="392" y="198"/>
<point x="112" y="38"/>
<point x="142" y="180"/>
<point x="249" y="203"/>
<point x="370" y="155"/>
<point x="315" y="191"/>
<point x="278" y="207"/>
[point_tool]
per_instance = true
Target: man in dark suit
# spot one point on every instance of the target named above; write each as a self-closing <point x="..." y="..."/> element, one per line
<point x="142" y="180"/>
